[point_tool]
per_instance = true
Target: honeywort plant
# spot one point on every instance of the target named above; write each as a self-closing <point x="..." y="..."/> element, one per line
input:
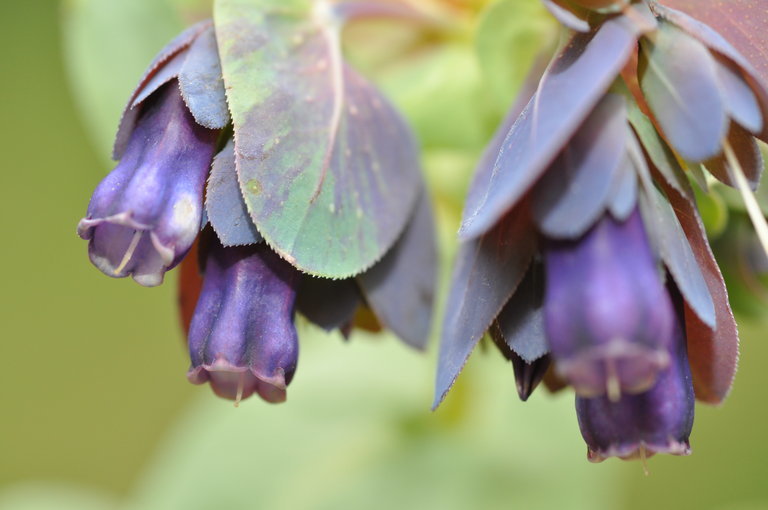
<point x="584" y="254"/>
<point x="281" y="181"/>
<point x="313" y="202"/>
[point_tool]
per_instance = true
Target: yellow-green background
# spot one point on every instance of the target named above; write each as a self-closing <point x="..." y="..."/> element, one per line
<point x="95" y="411"/>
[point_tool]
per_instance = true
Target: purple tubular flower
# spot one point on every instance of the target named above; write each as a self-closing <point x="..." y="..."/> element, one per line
<point x="242" y="338"/>
<point x="145" y="215"/>
<point x="608" y="318"/>
<point x="657" y="421"/>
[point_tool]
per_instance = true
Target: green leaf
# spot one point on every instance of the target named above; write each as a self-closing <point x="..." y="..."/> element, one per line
<point x="328" y="168"/>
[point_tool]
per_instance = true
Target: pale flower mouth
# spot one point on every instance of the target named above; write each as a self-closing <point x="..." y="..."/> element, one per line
<point x="120" y="246"/>
<point x="238" y="383"/>
<point x="616" y="368"/>
<point x="641" y="451"/>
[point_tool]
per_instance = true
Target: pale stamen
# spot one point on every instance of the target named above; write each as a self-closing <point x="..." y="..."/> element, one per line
<point x="753" y="208"/>
<point x="129" y="252"/>
<point x="240" y="388"/>
<point x="644" y="459"/>
<point x="613" y="385"/>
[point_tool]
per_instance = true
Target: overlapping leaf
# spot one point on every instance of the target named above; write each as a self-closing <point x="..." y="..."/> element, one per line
<point x="400" y="289"/>
<point x="487" y="272"/>
<point x="328" y="169"/>
<point x="680" y="83"/>
<point x="201" y="83"/>
<point x="713" y="352"/>
<point x="224" y="203"/>
<point x="576" y="190"/>
<point x="741" y="22"/>
<point x="521" y="322"/>
<point x="737" y="37"/>
<point x="151" y="81"/>
<point x="748" y="154"/>
<point x="573" y="84"/>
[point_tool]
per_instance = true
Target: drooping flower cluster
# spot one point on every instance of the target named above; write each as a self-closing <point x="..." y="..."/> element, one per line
<point x="584" y="255"/>
<point x="249" y="189"/>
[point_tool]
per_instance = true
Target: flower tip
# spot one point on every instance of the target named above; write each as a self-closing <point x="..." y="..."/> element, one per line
<point x="237" y="384"/>
<point x="640" y="452"/>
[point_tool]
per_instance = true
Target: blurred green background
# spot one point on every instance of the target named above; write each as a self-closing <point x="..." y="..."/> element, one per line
<point x="96" y="410"/>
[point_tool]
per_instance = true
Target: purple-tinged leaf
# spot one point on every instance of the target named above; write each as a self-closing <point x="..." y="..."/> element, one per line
<point x="488" y="270"/>
<point x="747" y="152"/>
<point x="484" y="170"/>
<point x="659" y="153"/>
<point x="400" y="289"/>
<point x="224" y="203"/>
<point x="713" y="352"/>
<point x="623" y="194"/>
<point x="747" y="40"/>
<point x="567" y="17"/>
<point x="329" y="304"/>
<point x="741" y="22"/>
<point x="574" y="83"/>
<point x="168" y="72"/>
<point x="678" y="76"/>
<point x="520" y="324"/>
<point x="328" y="168"/>
<point x="201" y="83"/>
<point x="130" y="115"/>
<point x="528" y="375"/>
<point x="575" y="190"/>
<point x="740" y="100"/>
<point x="669" y="238"/>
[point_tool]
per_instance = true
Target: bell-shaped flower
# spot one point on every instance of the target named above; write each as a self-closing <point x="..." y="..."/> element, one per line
<point x="242" y="338"/>
<point x="145" y="215"/>
<point x="608" y="317"/>
<point x="638" y="426"/>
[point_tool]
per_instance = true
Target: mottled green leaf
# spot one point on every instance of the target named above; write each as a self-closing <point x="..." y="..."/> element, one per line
<point x="329" y="170"/>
